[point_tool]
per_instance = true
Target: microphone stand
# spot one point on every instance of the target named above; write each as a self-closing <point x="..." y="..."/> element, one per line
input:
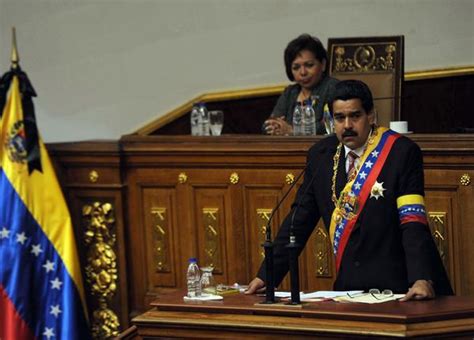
<point x="268" y="248"/>
<point x="293" y="251"/>
<point x="293" y="263"/>
<point x="269" y="271"/>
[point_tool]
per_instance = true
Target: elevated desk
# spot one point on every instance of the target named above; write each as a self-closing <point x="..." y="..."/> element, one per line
<point x="240" y="316"/>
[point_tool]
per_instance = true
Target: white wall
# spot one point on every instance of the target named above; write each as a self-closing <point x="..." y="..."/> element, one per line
<point x="104" y="68"/>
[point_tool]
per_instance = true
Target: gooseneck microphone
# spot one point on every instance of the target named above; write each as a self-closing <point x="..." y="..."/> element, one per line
<point x="293" y="247"/>
<point x="268" y="246"/>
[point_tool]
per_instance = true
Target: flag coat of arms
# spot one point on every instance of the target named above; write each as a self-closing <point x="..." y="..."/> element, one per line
<point x="41" y="289"/>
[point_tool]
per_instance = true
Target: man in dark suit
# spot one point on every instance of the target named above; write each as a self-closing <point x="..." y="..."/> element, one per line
<point x="367" y="185"/>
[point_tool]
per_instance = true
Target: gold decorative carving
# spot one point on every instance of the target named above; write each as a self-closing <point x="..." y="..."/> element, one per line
<point x="160" y="239"/>
<point x="321" y="253"/>
<point x="182" y="178"/>
<point x="263" y="216"/>
<point x="289" y="178"/>
<point x="364" y="57"/>
<point x="212" y="246"/>
<point x="101" y="268"/>
<point x="93" y="176"/>
<point x="465" y="180"/>
<point x="373" y="57"/>
<point x="234" y="178"/>
<point x="437" y="222"/>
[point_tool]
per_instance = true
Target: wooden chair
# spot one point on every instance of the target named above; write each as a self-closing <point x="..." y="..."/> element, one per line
<point x="377" y="61"/>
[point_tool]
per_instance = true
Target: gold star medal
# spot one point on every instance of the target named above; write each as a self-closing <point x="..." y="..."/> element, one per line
<point x="377" y="190"/>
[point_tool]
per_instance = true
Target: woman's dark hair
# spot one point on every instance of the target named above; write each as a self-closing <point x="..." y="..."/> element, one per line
<point x="303" y="42"/>
<point x="352" y="89"/>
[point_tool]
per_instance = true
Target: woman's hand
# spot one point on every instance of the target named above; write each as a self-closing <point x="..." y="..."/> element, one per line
<point x="278" y="127"/>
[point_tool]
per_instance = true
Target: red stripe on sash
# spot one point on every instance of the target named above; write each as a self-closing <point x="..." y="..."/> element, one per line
<point x="364" y="194"/>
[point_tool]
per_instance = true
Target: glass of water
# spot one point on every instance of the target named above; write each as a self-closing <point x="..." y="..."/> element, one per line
<point x="208" y="285"/>
<point x="216" y="122"/>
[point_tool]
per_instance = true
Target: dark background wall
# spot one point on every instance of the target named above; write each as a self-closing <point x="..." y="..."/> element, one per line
<point x="438" y="105"/>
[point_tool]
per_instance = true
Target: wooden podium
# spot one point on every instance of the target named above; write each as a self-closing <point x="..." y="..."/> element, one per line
<point x="240" y="316"/>
<point x="164" y="199"/>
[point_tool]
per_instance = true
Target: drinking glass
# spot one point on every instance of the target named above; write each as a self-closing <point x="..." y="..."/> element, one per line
<point x="208" y="284"/>
<point x="216" y="121"/>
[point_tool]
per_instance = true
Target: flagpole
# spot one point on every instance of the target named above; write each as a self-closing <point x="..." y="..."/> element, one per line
<point x="15" y="59"/>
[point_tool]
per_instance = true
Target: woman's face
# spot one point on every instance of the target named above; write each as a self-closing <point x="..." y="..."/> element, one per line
<point x="307" y="70"/>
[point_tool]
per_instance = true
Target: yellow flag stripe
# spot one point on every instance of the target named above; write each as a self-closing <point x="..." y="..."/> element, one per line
<point x="40" y="192"/>
<point x="410" y="199"/>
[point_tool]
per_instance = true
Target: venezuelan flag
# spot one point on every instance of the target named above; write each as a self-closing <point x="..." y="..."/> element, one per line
<point x="41" y="289"/>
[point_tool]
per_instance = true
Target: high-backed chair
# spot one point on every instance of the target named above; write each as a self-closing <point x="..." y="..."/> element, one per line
<point x="377" y="61"/>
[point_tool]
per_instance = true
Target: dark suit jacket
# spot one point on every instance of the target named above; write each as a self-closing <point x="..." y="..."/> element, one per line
<point x="380" y="252"/>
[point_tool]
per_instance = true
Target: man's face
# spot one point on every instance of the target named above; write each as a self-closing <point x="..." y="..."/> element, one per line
<point x="351" y="122"/>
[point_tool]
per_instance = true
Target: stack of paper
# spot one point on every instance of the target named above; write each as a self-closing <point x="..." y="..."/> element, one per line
<point x="203" y="297"/>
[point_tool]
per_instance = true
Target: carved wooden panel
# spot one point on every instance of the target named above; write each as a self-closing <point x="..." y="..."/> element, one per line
<point x="260" y="201"/>
<point x="157" y="210"/>
<point x="161" y="240"/>
<point x="262" y="220"/>
<point x="212" y="230"/>
<point x="218" y="225"/>
<point x="262" y="193"/>
<point x="444" y="195"/>
<point x="322" y="252"/>
<point x="438" y="221"/>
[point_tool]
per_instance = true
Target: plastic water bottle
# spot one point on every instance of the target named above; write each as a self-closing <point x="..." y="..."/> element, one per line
<point x="309" y="119"/>
<point x="194" y="118"/>
<point x="193" y="278"/>
<point x="204" y="115"/>
<point x="298" y="120"/>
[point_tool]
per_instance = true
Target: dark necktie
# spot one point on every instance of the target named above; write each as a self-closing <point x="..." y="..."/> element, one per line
<point x="352" y="170"/>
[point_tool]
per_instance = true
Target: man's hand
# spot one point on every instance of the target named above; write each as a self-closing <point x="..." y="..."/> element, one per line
<point x="421" y="290"/>
<point x="255" y="286"/>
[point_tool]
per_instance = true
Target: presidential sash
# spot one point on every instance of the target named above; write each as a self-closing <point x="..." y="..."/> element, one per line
<point x="354" y="195"/>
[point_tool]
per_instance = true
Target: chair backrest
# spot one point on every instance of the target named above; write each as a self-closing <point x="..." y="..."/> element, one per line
<point x="377" y="61"/>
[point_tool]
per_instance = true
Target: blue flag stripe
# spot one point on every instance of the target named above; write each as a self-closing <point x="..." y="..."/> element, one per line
<point x="35" y="277"/>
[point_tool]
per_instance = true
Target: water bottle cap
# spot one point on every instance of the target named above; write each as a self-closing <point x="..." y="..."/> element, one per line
<point x="192" y="259"/>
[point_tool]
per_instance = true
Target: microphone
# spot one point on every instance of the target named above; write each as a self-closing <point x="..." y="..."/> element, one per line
<point x="268" y="246"/>
<point x="293" y="246"/>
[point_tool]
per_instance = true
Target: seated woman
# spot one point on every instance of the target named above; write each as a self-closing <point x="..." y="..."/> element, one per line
<point x="305" y="64"/>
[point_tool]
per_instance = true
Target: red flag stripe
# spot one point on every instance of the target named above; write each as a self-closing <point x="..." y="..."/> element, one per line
<point x="12" y="326"/>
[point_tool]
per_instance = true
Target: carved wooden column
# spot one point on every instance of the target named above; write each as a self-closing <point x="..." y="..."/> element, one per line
<point x="91" y="180"/>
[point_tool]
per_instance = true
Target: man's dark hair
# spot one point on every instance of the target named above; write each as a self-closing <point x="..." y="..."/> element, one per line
<point x="352" y="89"/>
<point x="303" y="42"/>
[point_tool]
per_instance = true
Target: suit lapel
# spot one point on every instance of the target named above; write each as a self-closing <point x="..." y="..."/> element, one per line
<point x="341" y="178"/>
